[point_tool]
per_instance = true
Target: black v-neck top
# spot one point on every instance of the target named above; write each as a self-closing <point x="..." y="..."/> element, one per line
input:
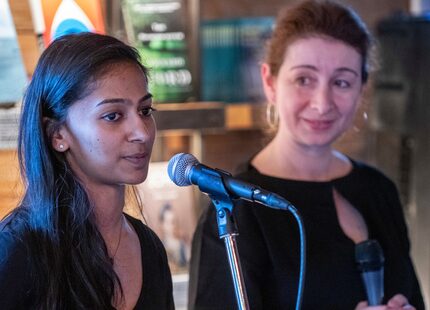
<point x="16" y="272"/>
<point x="156" y="292"/>
<point x="268" y="246"/>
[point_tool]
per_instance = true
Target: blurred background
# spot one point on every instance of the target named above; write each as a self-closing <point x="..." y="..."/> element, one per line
<point x="204" y="60"/>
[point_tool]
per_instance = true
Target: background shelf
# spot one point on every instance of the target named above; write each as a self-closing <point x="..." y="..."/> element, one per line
<point x="209" y="116"/>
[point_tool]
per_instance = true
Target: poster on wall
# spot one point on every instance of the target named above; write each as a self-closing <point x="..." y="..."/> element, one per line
<point x="12" y="72"/>
<point x="157" y="28"/>
<point x="169" y="211"/>
<point x="71" y="16"/>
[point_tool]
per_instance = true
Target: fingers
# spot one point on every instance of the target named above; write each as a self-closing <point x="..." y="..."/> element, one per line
<point x="363" y="305"/>
<point x="399" y="302"/>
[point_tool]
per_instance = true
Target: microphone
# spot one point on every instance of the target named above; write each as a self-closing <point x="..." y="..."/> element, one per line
<point x="184" y="169"/>
<point x="370" y="261"/>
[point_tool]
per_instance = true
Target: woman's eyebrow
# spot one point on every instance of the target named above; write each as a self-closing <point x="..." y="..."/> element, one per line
<point x="122" y="100"/>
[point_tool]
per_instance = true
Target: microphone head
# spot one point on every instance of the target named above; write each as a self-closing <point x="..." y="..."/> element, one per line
<point x="179" y="168"/>
<point x="369" y="256"/>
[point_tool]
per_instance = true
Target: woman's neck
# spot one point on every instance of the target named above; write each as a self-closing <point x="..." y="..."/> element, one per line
<point x="108" y="207"/>
<point x="289" y="160"/>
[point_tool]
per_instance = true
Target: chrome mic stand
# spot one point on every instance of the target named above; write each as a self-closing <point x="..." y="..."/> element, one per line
<point x="228" y="231"/>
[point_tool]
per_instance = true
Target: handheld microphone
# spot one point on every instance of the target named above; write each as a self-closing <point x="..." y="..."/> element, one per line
<point x="370" y="261"/>
<point x="184" y="169"/>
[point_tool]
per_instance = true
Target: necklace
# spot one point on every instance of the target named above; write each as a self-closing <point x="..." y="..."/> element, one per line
<point x="119" y="239"/>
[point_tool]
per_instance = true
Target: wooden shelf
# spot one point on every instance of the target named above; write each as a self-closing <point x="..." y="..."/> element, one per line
<point x="209" y="115"/>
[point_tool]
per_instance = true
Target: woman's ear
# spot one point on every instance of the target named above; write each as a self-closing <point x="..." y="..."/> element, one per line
<point x="269" y="85"/>
<point x="55" y="134"/>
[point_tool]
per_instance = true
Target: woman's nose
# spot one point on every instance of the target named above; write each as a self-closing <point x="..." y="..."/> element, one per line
<point x="141" y="129"/>
<point x="322" y="99"/>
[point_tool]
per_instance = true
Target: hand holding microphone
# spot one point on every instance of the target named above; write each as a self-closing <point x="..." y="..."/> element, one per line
<point x="370" y="261"/>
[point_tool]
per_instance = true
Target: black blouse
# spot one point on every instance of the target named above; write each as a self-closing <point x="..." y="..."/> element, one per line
<point x="268" y="246"/>
<point x="16" y="274"/>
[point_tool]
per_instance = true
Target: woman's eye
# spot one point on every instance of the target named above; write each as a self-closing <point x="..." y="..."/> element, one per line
<point x="111" y="117"/>
<point x="147" y="111"/>
<point x="303" y="80"/>
<point x="342" y="83"/>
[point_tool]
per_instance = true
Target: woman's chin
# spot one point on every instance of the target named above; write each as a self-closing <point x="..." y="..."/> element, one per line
<point x="135" y="180"/>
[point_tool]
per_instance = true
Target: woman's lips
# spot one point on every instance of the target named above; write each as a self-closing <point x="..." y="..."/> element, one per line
<point x="319" y="124"/>
<point x="138" y="159"/>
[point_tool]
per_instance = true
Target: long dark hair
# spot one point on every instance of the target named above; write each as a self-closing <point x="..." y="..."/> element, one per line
<point x="72" y="268"/>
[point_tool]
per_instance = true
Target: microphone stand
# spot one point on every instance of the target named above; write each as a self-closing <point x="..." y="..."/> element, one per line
<point x="228" y="231"/>
<point x="220" y="188"/>
<point x="184" y="169"/>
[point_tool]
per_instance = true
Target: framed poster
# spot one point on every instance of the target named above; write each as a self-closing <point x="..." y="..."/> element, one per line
<point x="169" y="211"/>
<point x="158" y="29"/>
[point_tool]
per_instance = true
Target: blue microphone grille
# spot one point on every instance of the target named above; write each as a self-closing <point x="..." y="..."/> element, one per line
<point x="179" y="167"/>
<point x="369" y="255"/>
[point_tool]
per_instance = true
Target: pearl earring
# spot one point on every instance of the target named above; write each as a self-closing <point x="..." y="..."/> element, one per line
<point x="61" y="146"/>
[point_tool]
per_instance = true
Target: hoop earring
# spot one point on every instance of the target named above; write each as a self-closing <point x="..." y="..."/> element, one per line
<point x="364" y="119"/>
<point x="365" y="116"/>
<point x="272" y="116"/>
